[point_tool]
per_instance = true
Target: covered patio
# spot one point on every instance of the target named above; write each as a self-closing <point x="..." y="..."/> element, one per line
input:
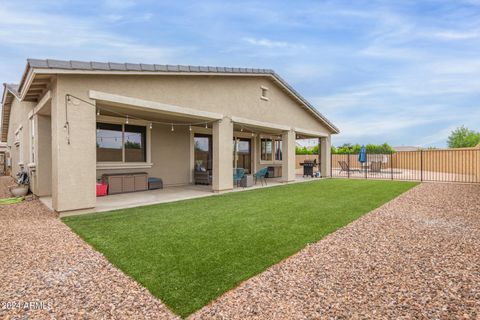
<point x="168" y="194"/>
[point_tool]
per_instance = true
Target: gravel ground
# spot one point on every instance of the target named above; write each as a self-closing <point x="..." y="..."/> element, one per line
<point x="5" y="182"/>
<point x="42" y="261"/>
<point x="416" y="257"/>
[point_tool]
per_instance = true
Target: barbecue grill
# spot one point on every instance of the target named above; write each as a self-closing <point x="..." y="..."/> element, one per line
<point x="308" y="166"/>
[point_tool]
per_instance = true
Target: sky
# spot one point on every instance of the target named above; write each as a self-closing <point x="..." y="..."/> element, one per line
<point x="402" y="72"/>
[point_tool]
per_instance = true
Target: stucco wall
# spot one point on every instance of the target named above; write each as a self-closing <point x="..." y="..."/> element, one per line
<point x="74" y="163"/>
<point x="19" y="117"/>
<point x="228" y="95"/>
<point x="170" y="156"/>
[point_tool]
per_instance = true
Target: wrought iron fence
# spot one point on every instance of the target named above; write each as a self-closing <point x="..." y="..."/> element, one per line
<point x="444" y="165"/>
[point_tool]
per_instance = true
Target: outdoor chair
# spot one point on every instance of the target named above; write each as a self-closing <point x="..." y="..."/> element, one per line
<point x="346" y="168"/>
<point x="238" y="174"/>
<point x="261" y="174"/>
<point x="376" y="166"/>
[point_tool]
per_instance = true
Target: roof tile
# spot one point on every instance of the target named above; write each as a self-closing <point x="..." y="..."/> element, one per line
<point x="59" y="64"/>
<point x="81" y="65"/>
<point x="147" y="67"/>
<point x="37" y="63"/>
<point x="100" y="66"/>
<point x="194" y="68"/>
<point x="133" y="67"/>
<point x="160" y="67"/>
<point x="117" y="66"/>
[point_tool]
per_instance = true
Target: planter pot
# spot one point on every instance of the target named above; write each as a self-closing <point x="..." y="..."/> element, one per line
<point x="20" y="191"/>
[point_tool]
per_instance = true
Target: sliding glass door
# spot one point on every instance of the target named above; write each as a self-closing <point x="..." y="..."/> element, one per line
<point x="243" y="154"/>
<point x="203" y="151"/>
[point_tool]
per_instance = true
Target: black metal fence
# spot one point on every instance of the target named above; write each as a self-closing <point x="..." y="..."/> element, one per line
<point x="444" y="165"/>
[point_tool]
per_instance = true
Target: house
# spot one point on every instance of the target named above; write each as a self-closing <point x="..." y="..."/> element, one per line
<point x="70" y="122"/>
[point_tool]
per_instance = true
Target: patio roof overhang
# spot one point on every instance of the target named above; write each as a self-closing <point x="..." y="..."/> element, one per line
<point x="260" y="125"/>
<point x="276" y="128"/>
<point x="152" y="106"/>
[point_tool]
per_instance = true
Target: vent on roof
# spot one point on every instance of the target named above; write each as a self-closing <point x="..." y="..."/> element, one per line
<point x="264" y="95"/>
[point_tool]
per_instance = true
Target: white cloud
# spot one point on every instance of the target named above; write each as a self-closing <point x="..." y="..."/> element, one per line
<point x="59" y="36"/>
<point x="268" y="43"/>
<point x="457" y="35"/>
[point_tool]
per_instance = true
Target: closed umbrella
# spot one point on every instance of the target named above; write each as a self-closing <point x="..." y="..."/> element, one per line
<point x="362" y="156"/>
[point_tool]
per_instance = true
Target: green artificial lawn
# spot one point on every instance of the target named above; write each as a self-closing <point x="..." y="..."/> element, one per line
<point x="188" y="253"/>
<point x="5" y="201"/>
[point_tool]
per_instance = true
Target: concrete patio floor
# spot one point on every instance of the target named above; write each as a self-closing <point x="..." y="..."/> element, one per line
<point x="168" y="194"/>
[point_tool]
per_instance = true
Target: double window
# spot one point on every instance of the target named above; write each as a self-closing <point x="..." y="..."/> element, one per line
<point x="121" y="143"/>
<point x="271" y="149"/>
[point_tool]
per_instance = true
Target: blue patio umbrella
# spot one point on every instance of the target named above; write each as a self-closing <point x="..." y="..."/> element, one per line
<point x="362" y="155"/>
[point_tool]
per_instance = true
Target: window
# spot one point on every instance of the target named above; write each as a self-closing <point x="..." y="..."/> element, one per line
<point x="109" y="142"/>
<point x="121" y="143"/>
<point x="19" y="145"/>
<point x="266" y="149"/>
<point x="278" y="149"/>
<point x="264" y="93"/>
<point x="135" y="150"/>
<point x="32" y="140"/>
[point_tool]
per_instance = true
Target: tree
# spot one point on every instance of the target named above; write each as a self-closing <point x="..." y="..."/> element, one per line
<point x="462" y="137"/>
<point x="349" y="148"/>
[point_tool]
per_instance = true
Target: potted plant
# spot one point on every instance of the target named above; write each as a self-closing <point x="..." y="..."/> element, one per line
<point x="23" y="182"/>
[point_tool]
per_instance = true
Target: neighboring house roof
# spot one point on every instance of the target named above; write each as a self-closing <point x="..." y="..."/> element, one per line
<point x="406" y="148"/>
<point x="39" y="66"/>
<point x="10" y="92"/>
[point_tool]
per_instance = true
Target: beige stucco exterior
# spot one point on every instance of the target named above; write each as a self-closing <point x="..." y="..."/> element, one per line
<point x="64" y="165"/>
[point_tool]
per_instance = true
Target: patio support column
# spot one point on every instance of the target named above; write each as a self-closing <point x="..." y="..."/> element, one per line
<point x="74" y="163"/>
<point x="325" y="159"/>
<point x="288" y="156"/>
<point x="222" y="155"/>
